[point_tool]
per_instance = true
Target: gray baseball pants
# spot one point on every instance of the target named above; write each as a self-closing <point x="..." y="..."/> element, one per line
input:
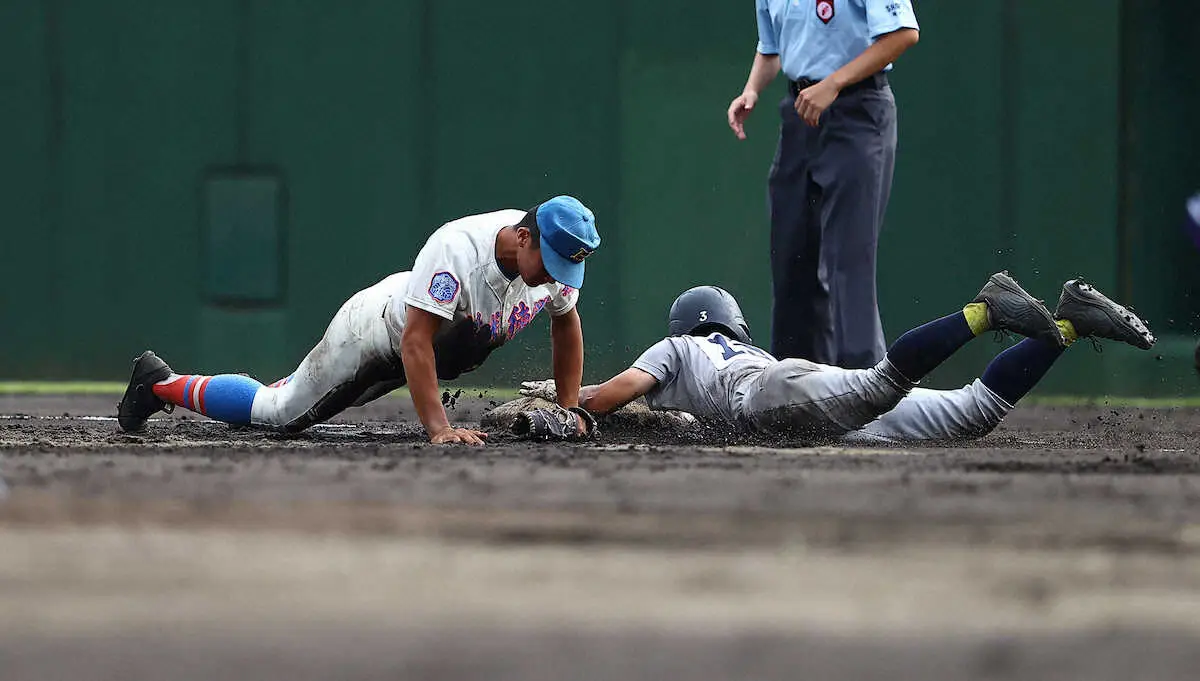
<point x="815" y="402"/>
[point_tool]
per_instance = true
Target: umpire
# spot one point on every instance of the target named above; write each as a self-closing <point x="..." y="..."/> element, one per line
<point x="832" y="173"/>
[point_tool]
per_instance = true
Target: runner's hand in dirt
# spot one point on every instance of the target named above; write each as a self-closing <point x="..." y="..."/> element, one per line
<point x="451" y="435"/>
<point x="542" y="389"/>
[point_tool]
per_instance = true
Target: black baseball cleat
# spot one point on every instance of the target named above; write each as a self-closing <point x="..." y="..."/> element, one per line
<point x="1095" y="315"/>
<point x="140" y="402"/>
<point x="1011" y="308"/>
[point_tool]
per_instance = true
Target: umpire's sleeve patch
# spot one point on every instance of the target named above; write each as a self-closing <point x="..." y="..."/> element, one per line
<point x="443" y="287"/>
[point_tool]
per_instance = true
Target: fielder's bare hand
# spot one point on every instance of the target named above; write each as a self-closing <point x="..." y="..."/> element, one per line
<point x="739" y="110"/>
<point x="814" y="100"/>
<point x="452" y="435"/>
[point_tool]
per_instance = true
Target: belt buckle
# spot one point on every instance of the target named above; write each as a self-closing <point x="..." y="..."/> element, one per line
<point x="803" y="83"/>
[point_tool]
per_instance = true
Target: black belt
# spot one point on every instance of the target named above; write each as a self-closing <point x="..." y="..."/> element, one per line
<point x="877" y="81"/>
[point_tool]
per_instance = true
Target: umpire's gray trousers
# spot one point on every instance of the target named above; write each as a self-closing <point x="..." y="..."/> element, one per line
<point x="828" y="191"/>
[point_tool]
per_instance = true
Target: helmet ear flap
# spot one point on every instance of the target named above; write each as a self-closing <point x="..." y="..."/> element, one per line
<point x="745" y="334"/>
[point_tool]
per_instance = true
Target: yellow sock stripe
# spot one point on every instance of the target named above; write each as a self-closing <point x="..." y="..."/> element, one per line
<point x="977" y="317"/>
<point x="1068" y="331"/>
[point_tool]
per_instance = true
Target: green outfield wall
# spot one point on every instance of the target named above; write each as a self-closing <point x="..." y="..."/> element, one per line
<point x="212" y="179"/>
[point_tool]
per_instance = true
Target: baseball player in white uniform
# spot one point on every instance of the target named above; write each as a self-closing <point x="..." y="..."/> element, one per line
<point x="708" y="368"/>
<point x="476" y="283"/>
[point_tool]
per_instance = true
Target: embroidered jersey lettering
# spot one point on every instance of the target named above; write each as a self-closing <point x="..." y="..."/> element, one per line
<point x="706" y="377"/>
<point x="487" y="310"/>
<point x="722" y="350"/>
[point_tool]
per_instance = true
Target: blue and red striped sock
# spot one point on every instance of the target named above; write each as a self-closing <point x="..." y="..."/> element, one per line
<point x="225" y="397"/>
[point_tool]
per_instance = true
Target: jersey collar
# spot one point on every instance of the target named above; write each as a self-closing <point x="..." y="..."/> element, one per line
<point x="497" y="280"/>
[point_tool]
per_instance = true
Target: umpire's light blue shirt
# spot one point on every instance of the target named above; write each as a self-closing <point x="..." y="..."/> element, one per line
<point x="814" y="38"/>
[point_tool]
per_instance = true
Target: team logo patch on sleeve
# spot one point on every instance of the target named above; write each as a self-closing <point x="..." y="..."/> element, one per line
<point x="443" y="287"/>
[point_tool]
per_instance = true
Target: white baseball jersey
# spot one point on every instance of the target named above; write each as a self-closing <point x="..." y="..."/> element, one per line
<point x="705" y="377"/>
<point x="456" y="277"/>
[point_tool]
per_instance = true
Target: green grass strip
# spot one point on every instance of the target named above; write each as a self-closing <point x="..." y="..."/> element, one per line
<point x="61" y="388"/>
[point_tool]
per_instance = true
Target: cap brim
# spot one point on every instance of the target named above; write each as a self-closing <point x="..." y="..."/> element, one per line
<point x="563" y="270"/>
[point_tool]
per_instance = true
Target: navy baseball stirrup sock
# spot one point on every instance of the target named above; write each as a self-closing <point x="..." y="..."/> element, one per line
<point x="919" y="351"/>
<point x="1014" y="372"/>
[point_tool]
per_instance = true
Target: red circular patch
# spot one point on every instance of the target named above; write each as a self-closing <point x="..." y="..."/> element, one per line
<point x="825" y="10"/>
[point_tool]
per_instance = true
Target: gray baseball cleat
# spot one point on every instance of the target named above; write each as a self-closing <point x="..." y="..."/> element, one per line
<point x="1012" y="308"/>
<point x="139" y="401"/>
<point x="1095" y="315"/>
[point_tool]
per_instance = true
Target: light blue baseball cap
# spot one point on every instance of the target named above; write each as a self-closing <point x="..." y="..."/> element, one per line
<point x="568" y="236"/>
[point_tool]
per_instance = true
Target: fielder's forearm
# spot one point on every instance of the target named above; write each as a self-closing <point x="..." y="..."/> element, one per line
<point x="886" y="50"/>
<point x="566" y="349"/>
<point x="421" y="372"/>
<point x="762" y="72"/>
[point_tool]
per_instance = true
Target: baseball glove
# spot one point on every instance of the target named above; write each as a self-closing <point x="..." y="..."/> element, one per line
<point x="555" y="423"/>
<point x="545" y="390"/>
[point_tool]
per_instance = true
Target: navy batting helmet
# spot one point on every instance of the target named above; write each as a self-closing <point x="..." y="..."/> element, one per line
<point x="707" y="308"/>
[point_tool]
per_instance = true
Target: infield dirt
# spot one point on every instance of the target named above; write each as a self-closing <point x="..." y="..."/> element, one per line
<point x="1065" y="545"/>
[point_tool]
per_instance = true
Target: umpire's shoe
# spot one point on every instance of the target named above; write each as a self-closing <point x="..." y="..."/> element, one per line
<point x="1011" y="308"/>
<point x="1095" y="315"/>
<point x="140" y="401"/>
